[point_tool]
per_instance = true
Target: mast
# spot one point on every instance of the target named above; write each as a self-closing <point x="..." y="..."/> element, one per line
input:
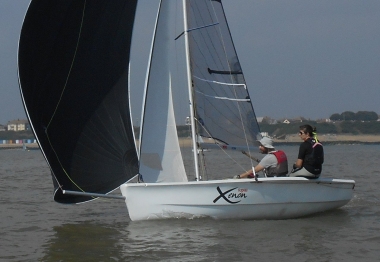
<point x="189" y="86"/>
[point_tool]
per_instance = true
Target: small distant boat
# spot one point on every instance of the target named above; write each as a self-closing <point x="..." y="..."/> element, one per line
<point x="71" y="50"/>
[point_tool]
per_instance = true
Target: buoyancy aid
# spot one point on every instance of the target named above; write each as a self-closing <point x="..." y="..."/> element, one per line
<point x="282" y="164"/>
<point x="316" y="158"/>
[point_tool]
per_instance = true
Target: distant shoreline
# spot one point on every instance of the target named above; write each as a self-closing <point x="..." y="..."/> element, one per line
<point x="289" y="140"/>
<point x="324" y="139"/>
<point x="328" y="138"/>
<point x="18" y="146"/>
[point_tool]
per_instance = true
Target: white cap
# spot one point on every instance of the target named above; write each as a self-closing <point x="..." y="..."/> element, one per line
<point x="266" y="142"/>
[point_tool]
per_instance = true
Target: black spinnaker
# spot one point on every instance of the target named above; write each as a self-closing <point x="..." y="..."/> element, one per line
<point x="73" y="71"/>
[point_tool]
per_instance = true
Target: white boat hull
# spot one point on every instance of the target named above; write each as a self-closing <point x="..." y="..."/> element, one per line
<point x="269" y="198"/>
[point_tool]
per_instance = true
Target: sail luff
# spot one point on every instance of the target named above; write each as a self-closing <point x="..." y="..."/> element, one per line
<point x="191" y="94"/>
<point x="147" y="77"/>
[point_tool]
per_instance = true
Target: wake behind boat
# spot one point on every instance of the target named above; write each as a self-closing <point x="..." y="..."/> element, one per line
<point x="82" y="57"/>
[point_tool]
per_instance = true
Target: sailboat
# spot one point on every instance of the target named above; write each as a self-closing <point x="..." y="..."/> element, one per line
<point x="74" y="71"/>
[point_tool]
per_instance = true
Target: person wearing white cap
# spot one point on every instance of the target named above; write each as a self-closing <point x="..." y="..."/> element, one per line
<point x="274" y="163"/>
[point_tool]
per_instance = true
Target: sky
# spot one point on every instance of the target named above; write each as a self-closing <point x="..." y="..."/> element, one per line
<point x="300" y="57"/>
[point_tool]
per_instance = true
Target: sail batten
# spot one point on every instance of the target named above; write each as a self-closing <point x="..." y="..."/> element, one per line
<point x="201" y="27"/>
<point x="211" y="71"/>
<point x="225" y="98"/>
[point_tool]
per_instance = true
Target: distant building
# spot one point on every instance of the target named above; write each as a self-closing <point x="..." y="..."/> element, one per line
<point x="298" y="120"/>
<point x="266" y="120"/>
<point x="273" y="122"/>
<point x="2" y="128"/>
<point x="294" y="120"/>
<point x="18" y="125"/>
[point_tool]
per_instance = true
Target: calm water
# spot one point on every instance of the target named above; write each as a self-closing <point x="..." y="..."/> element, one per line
<point x="35" y="228"/>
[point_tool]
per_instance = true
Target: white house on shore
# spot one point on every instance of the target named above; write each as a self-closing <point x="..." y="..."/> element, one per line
<point x="18" y="125"/>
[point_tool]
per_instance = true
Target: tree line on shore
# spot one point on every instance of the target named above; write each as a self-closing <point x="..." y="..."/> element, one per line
<point x="362" y="122"/>
<point x="341" y="127"/>
<point x="358" y="116"/>
<point x="348" y="122"/>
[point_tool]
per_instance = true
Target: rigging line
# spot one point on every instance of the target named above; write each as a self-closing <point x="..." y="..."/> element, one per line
<point x="220" y="113"/>
<point x="229" y="130"/>
<point x="213" y="16"/>
<point x="201" y="154"/>
<point x="177" y="87"/>
<point x="210" y="41"/>
<point x="222" y="98"/>
<point x="60" y="98"/>
<point x="238" y="105"/>
<point x="217" y="124"/>
<point x="224" y="151"/>
<point x="222" y="127"/>
<point x="220" y="40"/>
<point x="245" y="134"/>
<point x="210" y="103"/>
<point x="221" y="35"/>
<point x="205" y="34"/>
<point x="217" y="110"/>
<point x="216" y="91"/>
<point x="179" y="67"/>
<point x="203" y="163"/>
<point x="200" y="50"/>
<point x="224" y="47"/>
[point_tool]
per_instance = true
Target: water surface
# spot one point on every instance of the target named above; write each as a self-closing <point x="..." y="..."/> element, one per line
<point x="35" y="228"/>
